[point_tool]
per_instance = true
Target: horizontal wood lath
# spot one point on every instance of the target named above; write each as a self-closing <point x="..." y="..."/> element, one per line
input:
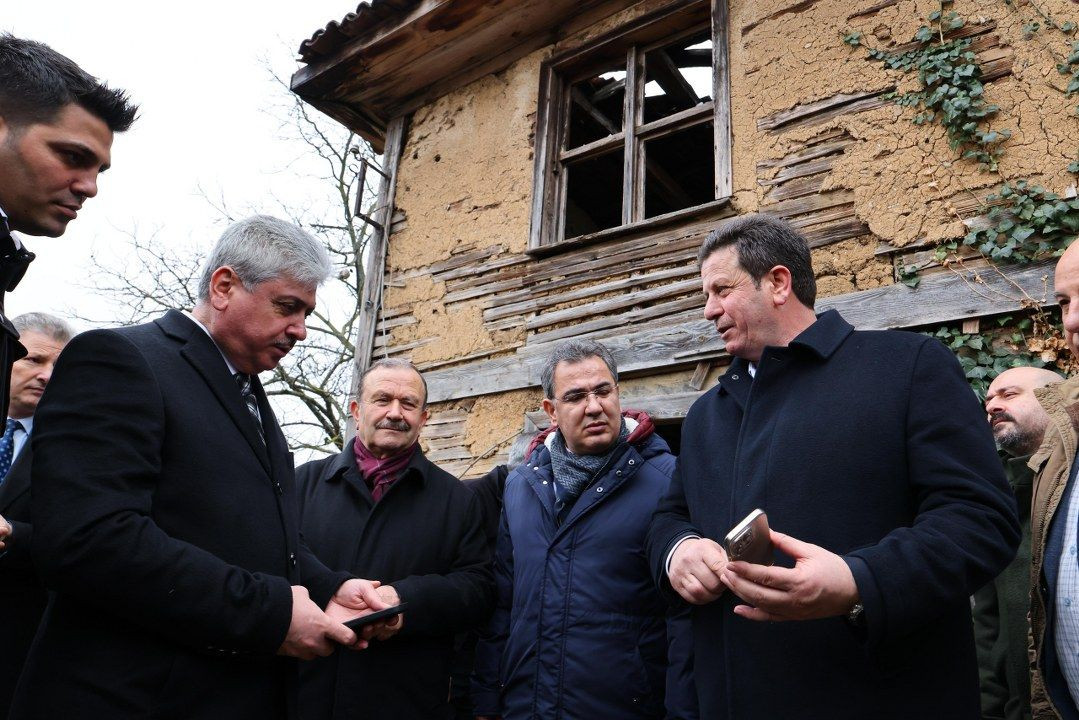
<point x="941" y="298"/>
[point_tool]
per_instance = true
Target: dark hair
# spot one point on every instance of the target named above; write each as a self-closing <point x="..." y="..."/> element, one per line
<point x="36" y="83"/>
<point x="762" y="242"/>
<point x="387" y="364"/>
<point x="574" y="351"/>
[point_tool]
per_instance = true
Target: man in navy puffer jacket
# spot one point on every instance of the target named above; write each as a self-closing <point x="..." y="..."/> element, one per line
<point x="580" y="630"/>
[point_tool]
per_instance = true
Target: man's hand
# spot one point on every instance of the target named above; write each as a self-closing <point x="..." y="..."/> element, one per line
<point x="695" y="570"/>
<point x="356" y="598"/>
<point x="312" y="633"/>
<point x="5" y="530"/>
<point x="819" y="585"/>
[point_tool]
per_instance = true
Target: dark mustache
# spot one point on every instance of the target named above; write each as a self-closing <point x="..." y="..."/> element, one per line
<point x="388" y="424"/>
<point x="1000" y="416"/>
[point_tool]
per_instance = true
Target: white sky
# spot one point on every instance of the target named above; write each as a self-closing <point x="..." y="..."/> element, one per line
<point x="195" y="68"/>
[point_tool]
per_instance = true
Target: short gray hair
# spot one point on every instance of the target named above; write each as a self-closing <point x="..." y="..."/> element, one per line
<point x="390" y="364"/>
<point x="262" y="248"/>
<point x="45" y="324"/>
<point x="574" y="351"/>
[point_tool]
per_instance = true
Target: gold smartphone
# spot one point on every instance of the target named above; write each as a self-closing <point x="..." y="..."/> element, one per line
<point x="749" y="541"/>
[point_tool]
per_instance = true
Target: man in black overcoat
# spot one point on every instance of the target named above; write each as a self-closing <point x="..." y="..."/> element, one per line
<point x="381" y="510"/>
<point x="56" y="129"/>
<point x="22" y="596"/>
<point x="888" y="506"/>
<point x="164" y="507"/>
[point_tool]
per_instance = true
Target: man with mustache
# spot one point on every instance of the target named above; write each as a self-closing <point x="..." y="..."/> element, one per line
<point x="1001" y="606"/>
<point x="1054" y="517"/>
<point x="56" y="130"/>
<point x="164" y="507"/>
<point x="580" y="631"/>
<point x="381" y="510"/>
<point x="22" y="596"/>
<point x="886" y="500"/>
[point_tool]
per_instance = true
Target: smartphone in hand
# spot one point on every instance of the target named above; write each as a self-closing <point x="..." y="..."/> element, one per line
<point x="749" y="541"/>
<point x="357" y="624"/>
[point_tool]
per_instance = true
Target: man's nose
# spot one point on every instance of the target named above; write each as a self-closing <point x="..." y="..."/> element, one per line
<point x="85" y="184"/>
<point x="298" y="330"/>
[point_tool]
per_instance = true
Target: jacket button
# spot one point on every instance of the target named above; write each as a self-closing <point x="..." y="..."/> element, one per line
<point x="292" y="559"/>
<point x="632" y="462"/>
<point x="599" y="489"/>
<point x="617" y="472"/>
<point x="734" y="377"/>
<point x="544" y="482"/>
<point x="535" y="467"/>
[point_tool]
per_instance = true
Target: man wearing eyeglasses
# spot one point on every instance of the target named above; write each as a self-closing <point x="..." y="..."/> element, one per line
<point x="580" y="630"/>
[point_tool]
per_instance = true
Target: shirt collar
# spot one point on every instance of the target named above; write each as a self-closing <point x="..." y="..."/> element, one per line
<point x="4" y="224"/>
<point x="192" y="318"/>
<point x="27" y="423"/>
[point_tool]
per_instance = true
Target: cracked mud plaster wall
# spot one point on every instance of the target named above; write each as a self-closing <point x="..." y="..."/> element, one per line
<point x="904" y="177"/>
<point x="465" y="179"/>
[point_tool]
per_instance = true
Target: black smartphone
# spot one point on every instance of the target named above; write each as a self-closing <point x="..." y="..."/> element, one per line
<point x="749" y="541"/>
<point x="356" y="624"/>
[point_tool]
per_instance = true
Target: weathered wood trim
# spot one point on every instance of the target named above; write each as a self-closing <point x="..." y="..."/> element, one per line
<point x="371" y="306"/>
<point x="721" y="97"/>
<point x="677" y="121"/>
<point x="941" y="298"/>
<point x="631" y="189"/>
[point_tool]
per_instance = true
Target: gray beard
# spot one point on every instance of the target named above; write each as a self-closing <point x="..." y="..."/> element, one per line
<point x="1017" y="443"/>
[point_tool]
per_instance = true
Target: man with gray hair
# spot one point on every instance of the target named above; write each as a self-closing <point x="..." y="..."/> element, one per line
<point x="22" y="597"/>
<point x="164" y="506"/>
<point x="579" y="630"/>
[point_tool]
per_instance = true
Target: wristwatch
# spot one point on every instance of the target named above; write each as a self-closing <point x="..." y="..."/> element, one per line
<point x="856" y="615"/>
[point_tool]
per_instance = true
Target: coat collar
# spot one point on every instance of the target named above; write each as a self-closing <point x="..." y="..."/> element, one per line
<point x="821" y="339"/>
<point x="203" y="354"/>
<point x="824" y="337"/>
<point x="342" y="467"/>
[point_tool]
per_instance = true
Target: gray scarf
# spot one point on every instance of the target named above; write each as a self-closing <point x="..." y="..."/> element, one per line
<point x="573" y="473"/>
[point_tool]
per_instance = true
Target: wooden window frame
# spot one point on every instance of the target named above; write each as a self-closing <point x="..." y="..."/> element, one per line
<point x="629" y="42"/>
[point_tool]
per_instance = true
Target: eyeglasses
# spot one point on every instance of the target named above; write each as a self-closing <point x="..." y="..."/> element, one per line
<point x="576" y="398"/>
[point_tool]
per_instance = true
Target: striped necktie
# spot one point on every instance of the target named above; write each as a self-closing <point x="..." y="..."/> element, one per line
<point x="7" y="448"/>
<point x="243" y="380"/>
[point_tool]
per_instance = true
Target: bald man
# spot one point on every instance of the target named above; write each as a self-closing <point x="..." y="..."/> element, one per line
<point x="1054" y="522"/>
<point x="1000" y="608"/>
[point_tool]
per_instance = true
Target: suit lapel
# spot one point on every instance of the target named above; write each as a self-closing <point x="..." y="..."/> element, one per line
<point x="202" y="354"/>
<point x="17" y="482"/>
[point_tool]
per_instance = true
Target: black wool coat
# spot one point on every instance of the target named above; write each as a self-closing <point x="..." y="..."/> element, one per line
<point x="22" y="594"/>
<point x="871" y="445"/>
<point x="167" y="530"/>
<point x="425" y="537"/>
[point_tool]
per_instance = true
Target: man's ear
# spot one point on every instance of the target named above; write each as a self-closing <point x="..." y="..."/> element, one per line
<point x="780" y="279"/>
<point x="223" y="282"/>
<point x="548" y="407"/>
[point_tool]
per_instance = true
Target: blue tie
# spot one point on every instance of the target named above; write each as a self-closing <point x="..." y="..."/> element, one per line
<point x="7" y="448"/>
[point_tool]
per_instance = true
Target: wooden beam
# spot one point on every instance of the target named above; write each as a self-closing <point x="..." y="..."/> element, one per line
<point x="376" y="258"/>
<point x="942" y="298"/>
<point x="721" y="96"/>
<point x="663" y="70"/>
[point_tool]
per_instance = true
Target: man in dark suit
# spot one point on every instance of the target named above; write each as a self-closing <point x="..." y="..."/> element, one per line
<point x="381" y="509"/>
<point x="164" y="508"/>
<point x="22" y="596"/>
<point x="872" y="459"/>
<point x="56" y="129"/>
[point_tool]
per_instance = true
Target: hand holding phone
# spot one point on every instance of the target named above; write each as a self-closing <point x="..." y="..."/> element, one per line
<point x="749" y="541"/>
<point x="357" y="624"/>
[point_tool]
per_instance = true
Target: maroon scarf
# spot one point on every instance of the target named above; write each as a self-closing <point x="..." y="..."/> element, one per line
<point x="379" y="474"/>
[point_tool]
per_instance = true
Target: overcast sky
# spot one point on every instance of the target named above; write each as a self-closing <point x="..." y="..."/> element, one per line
<point x="197" y="70"/>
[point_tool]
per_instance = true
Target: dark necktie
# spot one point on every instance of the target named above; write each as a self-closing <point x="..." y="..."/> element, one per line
<point x="7" y="448"/>
<point x="243" y="380"/>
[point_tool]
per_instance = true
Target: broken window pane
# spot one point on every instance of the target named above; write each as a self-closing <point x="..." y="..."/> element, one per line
<point x="679" y="170"/>
<point x="593" y="194"/>
<point x="596" y="106"/>
<point x="678" y="76"/>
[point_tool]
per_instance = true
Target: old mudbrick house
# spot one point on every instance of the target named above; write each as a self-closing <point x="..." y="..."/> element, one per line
<point x="551" y="167"/>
